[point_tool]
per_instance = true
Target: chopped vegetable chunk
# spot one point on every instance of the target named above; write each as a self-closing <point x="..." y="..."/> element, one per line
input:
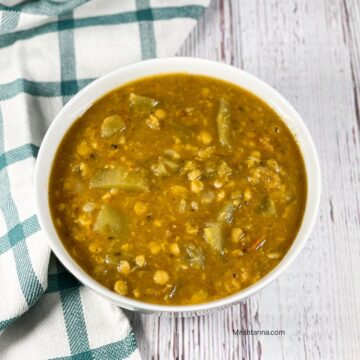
<point x="120" y="178"/>
<point x="111" y="222"/>
<point x="171" y="164"/>
<point x="165" y="167"/>
<point x="195" y="256"/>
<point x="141" y="106"/>
<point x="214" y="236"/>
<point x="226" y="213"/>
<point x="267" y="206"/>
<point x="224" y="123"/>
<point x="112" y="125"/>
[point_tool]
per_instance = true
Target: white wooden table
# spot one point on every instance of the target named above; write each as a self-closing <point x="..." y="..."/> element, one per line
<point x="310" y="51"/>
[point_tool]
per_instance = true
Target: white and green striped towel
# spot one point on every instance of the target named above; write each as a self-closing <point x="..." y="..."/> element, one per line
<point x="49" y="50"/>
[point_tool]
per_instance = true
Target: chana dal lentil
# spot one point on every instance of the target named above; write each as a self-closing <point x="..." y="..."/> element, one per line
<point x="178" y="189"/>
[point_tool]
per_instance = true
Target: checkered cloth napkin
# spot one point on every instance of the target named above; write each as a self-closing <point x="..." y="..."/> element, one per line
<point x="49" y="50"/>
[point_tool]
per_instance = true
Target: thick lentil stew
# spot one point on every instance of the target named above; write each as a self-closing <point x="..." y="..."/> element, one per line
<point x="178" y="189"/>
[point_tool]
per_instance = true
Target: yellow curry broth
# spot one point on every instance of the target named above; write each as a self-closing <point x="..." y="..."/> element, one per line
<point x="178" y="189"/>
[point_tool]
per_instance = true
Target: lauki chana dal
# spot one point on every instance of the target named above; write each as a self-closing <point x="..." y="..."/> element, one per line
<point x="178" y="189"/>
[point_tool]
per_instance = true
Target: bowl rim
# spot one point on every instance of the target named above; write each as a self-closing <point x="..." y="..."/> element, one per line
<point x="195" y="66"/>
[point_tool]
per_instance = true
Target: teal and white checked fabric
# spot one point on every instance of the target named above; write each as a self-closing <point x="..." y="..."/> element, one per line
<point x="49" y="50"/>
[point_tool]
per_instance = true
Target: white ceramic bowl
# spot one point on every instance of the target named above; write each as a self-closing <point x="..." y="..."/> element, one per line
<point x="86" y="97"/>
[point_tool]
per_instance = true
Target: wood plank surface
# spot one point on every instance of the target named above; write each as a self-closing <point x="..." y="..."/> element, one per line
<point x="310" y="51"/>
